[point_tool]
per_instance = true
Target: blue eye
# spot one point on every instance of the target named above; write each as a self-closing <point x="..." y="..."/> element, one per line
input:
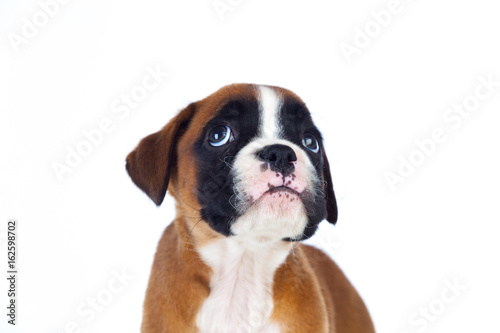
<point x="311" y="143"/>
<point x="220" y="136"/>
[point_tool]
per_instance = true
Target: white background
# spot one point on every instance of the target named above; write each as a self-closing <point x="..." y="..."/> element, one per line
<point x="397" y="247"/>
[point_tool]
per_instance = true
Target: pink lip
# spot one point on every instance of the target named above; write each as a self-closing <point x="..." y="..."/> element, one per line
<point x="282" y="189"/>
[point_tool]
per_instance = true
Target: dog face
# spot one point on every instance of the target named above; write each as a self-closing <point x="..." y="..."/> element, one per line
<point x="247" y="160"/>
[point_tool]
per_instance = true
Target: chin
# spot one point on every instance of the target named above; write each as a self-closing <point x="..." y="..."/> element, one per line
<point x="273" y="217"/>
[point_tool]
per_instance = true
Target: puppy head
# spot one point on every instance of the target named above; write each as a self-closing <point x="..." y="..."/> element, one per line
<point x="247" y="160"/>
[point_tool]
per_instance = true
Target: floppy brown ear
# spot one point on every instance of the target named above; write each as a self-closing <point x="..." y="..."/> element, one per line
<point x="331" y="202"/>
<point x="151" y="162"/>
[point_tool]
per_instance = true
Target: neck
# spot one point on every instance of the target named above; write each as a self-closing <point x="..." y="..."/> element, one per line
<point x="241" y="284"/>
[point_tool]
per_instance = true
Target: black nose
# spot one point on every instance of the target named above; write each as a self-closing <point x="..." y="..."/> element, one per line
<point x="279" y="157"/>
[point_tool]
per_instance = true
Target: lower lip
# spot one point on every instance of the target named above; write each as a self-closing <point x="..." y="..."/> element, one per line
<point x="282" y="189"/>
<point x="282" y="193"/>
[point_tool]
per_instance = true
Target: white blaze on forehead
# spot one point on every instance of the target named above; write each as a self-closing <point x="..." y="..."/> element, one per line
<point x="269" y="105"/>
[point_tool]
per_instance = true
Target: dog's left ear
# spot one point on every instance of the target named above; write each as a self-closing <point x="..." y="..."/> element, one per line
<point x="150" y="164"/>
<point x="331" y="202"/>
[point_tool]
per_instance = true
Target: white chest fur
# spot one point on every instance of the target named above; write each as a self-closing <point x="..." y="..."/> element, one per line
<point x="240" y="299"/>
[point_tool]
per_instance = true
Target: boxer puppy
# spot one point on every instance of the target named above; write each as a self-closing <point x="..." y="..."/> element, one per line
<point x="250" y="177"/>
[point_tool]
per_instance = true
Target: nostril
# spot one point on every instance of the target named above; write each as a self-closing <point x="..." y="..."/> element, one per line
<point x="292" y="157"/>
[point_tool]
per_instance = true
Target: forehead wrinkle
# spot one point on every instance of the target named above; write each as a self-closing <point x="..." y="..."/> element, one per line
<point x="269" y="105"/>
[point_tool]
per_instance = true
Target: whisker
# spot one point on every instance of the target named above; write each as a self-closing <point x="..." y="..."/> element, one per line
<point x="190" y="233"/>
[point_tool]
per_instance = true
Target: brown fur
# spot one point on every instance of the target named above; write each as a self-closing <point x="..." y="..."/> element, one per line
<point x="310" y="293"/>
